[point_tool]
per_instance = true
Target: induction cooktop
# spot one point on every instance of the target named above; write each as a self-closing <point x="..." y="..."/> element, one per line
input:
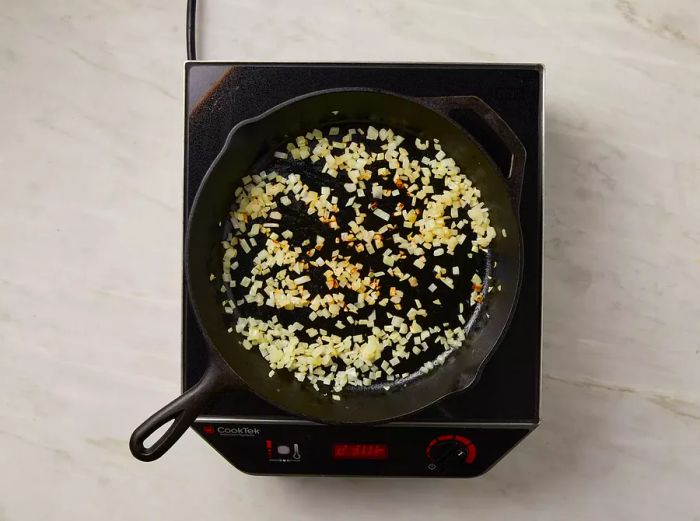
<point x="465" y="434"/>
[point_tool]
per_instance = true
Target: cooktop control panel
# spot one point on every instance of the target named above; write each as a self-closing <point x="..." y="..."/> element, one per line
<point x="392" y="450"/>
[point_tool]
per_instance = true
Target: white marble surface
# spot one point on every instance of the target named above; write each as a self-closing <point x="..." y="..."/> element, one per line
<point x="90" y="205"/>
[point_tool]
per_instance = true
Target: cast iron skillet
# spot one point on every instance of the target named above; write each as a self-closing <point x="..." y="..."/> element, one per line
<point x="498" y="174"/>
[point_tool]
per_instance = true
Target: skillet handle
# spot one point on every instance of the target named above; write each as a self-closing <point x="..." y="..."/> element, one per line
<point x="492" y="132"/>
<point x="182" y="411"/>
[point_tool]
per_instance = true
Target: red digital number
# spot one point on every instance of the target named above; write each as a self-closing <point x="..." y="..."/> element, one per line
<point x="340" y="451"/>
<point x="361" y="451"/>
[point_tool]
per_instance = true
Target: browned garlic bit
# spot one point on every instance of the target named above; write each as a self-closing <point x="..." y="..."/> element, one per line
<point x="369" y="326"/>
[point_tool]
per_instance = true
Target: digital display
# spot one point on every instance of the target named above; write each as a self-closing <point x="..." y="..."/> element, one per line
<point x="360" y="451"/>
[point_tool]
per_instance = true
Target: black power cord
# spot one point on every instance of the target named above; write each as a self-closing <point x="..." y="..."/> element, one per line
<point x="191" y="17"/>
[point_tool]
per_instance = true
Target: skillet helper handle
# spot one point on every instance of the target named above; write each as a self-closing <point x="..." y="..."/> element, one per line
<point x="182" y="411"/>
<point x="493" y="133"/>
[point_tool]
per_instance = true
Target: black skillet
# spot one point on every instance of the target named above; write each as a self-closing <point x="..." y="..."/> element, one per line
<point x="493" y="157"/>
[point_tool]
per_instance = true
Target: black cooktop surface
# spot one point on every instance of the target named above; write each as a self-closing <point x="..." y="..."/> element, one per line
<point x="508" y="390"/>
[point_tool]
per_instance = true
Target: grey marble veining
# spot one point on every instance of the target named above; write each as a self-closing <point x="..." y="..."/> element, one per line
<point x="91" y="158"/>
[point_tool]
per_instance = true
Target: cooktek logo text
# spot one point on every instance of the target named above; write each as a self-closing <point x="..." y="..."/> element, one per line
<point x="238" y="431"/>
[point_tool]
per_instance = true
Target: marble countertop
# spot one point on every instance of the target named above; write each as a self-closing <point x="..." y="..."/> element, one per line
<point x="90" y="224"/>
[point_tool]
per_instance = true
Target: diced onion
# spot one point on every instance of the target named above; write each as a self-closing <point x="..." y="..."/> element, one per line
<point x="381" y="214"/>
<point x="439" y="211"/>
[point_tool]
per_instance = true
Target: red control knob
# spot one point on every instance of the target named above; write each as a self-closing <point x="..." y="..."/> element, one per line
<point x="450" y="451"/>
